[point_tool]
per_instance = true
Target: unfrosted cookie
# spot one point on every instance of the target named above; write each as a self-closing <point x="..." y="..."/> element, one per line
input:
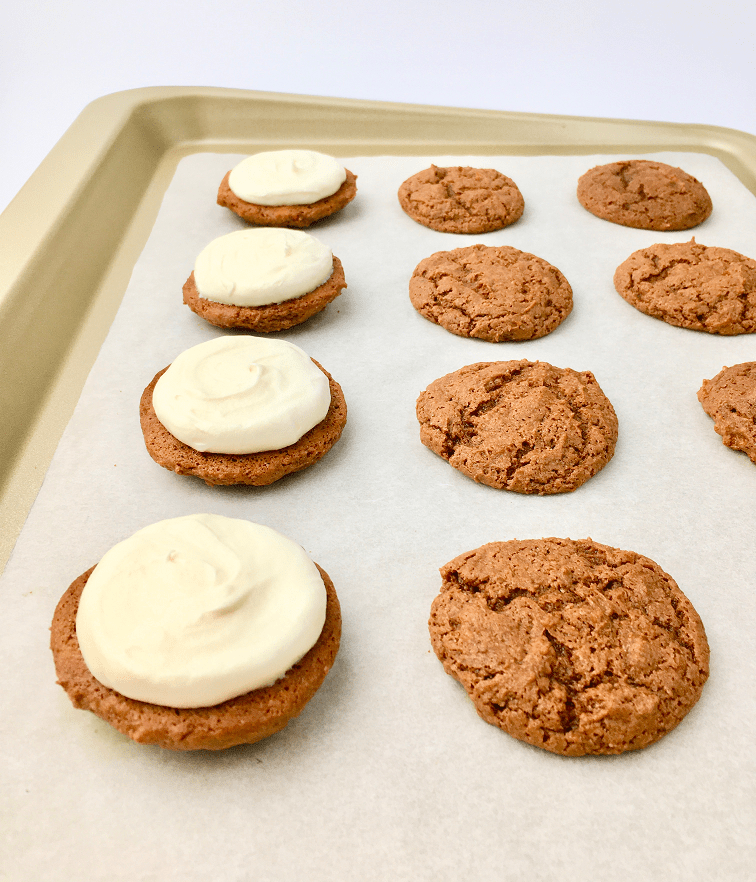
<point x="492" y="293"/>
<point x="287" y="188"/>
<point x="258" y="469"/>
<point x="692" y="286"/>
<point x="730" y="400"/>
<point x="519" y="425"/>
<point x="242" y="720"/>
<point x="461" y="199"/>
<point x="571" y="646"/>
<point x="644" y="194"/>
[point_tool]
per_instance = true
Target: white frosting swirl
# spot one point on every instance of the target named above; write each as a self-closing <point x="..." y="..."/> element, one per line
<point x="261" y="266"/>
<point x="192" y="611"/>
<point x="286" y="177"/>
<point x="241" y="395"/>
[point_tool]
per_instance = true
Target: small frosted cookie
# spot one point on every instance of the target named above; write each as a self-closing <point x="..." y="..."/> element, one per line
<point x="644" y="194"/>
<point x="519" y="425"/>
<point x="200" y="632"/>
<point x="572" y="646"/>
<point x="492" y="293"/>
<point x="263" y="280"/>
<point x="461" y="199"/>
<point x="241" y="410"/>
<point x="730" y="400"/>
<point x="287" y="188"/>
<point x="692" y="286"/>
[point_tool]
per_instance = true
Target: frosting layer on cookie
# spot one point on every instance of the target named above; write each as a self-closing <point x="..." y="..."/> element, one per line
<point x="193" y="611"/>
<point x="286" y="177"/>
<point x="241" y="395"/>
<point x="261" y="266"/>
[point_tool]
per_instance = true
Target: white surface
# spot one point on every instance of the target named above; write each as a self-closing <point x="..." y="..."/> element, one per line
<point x="389" y="773"/>
<point x="664" y="60"/>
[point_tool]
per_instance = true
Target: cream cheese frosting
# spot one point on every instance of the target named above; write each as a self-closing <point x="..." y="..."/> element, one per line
<point x="241" y="395"/>
<point x="261" y="266"/>
<point x="286" y="177"/>
<point x="193" y="611"/>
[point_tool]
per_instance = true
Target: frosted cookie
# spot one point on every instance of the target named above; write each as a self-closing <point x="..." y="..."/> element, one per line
<point x="492" y="293"/>
<point x="200" y="632"/>
<point x="519" y="425"/>
<point x="287" y="188"/>
<point x="644" y="194"/>
<point x="241" y="410"/>
<point x="730" y="400"/>
<point x="692" y="286"/>
<point x="461" y="199"/>
<point x="263" y="280"/>
<point x="571" y="646"/>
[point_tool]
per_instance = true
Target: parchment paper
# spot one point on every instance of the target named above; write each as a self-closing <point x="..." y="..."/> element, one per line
<point x="389" y="773"/>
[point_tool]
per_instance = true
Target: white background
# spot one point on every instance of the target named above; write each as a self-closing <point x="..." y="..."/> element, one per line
<point x="691" y="62"/>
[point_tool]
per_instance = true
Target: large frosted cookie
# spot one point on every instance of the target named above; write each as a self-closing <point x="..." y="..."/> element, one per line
<point x="287" y="188"/>
<point x="519" y="425"/>
<point x="730" y="400"/>
<point x="571" y="646"/>
<point x="692" y="286"/>
<point x="644" y="194"/>
<point x="263" y="280"/>
<point x="201" y="615"/>
<point x="492" y="293"/>
<point x="243" y="410"/>
<point x="461" y="199"/>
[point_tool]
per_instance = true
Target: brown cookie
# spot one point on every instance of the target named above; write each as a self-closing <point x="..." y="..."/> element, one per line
<point x="299" y="216"/>
<point x="692" y="286"/>
<point x="461" y="199"/>
<point x="272" y="316"/>
<point x="493" y="294"/>
<point x="730" y="400"/>
<point x="242" y="720"/>
<point x="571" y="646"/>
<point x="644" y="194"/>
<point x="519" y="425"/>
<point x="258" y="469"/>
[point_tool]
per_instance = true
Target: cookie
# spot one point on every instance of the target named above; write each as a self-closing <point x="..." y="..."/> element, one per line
<point x="491" y="293"/>
<point x="571" y="646"/>
<point x="519" y="425"/>
<point x="287" y="188"/>
<point x="263" y="279"/>
<point x="259" y="468"/>
<point x="460" y="199"/>
<point x="692" y="286"/>
<point x="241" y="720"/>
<point x="730" y="400"/>
<point x="644" y="194"/>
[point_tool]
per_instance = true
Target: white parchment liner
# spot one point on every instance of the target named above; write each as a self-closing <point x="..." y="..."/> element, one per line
<point x="389" y="773"/>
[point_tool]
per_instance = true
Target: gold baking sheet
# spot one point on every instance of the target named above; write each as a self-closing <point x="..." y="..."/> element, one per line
<point x="71" y="236"/>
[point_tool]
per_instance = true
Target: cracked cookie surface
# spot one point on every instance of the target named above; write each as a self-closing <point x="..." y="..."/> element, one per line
<point x="491" y="293"/>
<point x="730" y="400"/>
<point x="644" y="194"/>
<point x="461" y="199"/>
<point x="519" y="425"/>
<point x="571" y="646"/>
<point x="692" y="286"/>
